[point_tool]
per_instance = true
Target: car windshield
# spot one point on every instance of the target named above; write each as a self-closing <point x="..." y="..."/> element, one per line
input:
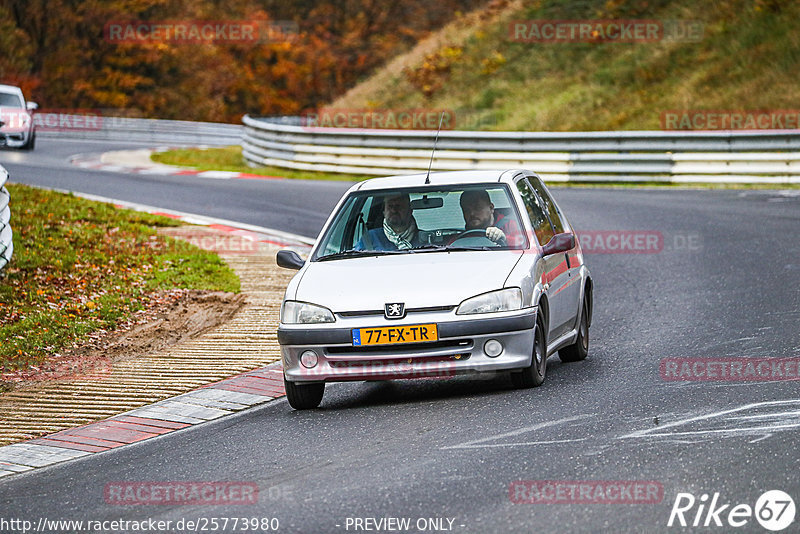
<point x="398" y="221"/>
<point x="10" y="100"/>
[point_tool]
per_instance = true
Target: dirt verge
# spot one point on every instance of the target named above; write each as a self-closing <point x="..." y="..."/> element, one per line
<point x="170" y="317"/>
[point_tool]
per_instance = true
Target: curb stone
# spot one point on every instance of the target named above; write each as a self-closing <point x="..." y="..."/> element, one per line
<point x="213" y="401"/>
<point x="139" y="162"/>
<point x="208" y="402"/>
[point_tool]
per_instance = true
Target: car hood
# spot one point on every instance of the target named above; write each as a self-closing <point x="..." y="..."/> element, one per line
<point x="418" y="280"/>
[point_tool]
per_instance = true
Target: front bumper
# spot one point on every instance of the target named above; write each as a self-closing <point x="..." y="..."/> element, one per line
<point x="460" y="349"/>
<point x="15" y="139"/>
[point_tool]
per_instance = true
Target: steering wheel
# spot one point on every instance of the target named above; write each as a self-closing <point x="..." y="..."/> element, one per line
<point x="478" y="232"/>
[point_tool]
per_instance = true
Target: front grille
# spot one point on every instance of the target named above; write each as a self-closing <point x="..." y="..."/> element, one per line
<point x="339" y="364"/>
<point x="369" y="313"/>
<point x="460" y="345"/>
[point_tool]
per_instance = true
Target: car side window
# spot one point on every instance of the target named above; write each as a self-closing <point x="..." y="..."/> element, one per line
<point x="549" y="205"/>
<point x="345" y="235"/>
<point x="541" y="226"/>
<point x="365" y="219"/>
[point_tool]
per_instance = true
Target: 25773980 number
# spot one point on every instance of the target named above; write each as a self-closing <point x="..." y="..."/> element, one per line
<point x="235" y="524"/>
<point x="392" y="335"/>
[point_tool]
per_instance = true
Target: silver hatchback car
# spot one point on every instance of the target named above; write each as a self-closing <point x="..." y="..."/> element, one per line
<point x="435" y="275"/>
<point x="17" y="127"/>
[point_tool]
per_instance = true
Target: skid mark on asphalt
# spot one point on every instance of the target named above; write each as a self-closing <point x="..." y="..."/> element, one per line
<point x="760" y="420"/>
<point x="481" y="443"/>
<point x="755" y="422"/>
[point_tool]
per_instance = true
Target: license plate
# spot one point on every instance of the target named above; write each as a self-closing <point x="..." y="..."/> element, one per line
<point x="393" y="335"/>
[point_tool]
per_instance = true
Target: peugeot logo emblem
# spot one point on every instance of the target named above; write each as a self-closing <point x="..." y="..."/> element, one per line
<point x="394" y="310"/>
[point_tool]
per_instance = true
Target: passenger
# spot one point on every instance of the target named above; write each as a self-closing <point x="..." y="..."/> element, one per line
<point x="479" y="214"/>
<point x="399" y="231"/>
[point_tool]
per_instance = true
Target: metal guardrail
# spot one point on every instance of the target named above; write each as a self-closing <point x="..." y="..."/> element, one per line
<point x="136" y="130"/>
<point x="6" y="235"/>
<point x="661" y="156"/>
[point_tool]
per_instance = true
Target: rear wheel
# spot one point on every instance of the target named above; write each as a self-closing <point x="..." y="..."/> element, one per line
<point x="580" y="349"/>
<point x="534" y="374"/>
<point x="304" y="396"/>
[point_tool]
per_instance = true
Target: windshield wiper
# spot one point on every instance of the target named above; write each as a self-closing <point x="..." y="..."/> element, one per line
<point x="459" y="249"/>
<point x="443" y="248"/>
<point x="422" y="248"/>
<point x="426" y="248"/>
<point x="356" y="253"/>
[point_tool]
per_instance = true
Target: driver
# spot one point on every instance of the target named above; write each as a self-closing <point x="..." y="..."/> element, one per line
<point x="399" y="231"/>
<point x="479" y="214"/>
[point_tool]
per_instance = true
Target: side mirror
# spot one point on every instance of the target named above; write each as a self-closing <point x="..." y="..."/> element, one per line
<point x="289" y="259"/>
<point x="559" y="243"/>
<point x="31" y="106"/>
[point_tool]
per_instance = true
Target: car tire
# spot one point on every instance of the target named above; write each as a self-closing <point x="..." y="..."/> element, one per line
<point x="31" y="144"/>
<point x="304" y="396"/>
<point x="534" y="374"/>
<point x="580" y="349"/>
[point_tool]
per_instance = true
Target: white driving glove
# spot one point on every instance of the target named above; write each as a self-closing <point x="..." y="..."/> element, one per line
<point x="495" y="234"/>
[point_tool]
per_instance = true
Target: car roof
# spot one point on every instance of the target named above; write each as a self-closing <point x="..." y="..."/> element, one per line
<point x="11" y="89"/>
<point x="438" y="179"/>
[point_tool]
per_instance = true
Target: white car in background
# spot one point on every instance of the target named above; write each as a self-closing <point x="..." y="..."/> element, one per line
<point x="17" y="129"/>
<point x="468" y="292"/>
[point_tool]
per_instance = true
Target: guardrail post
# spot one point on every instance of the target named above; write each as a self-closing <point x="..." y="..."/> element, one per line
<point x="6" y="235"/>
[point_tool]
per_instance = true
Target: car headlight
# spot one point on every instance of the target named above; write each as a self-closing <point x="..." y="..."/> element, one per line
<point x="495" y="301"/>
<point x="293" y="312"/>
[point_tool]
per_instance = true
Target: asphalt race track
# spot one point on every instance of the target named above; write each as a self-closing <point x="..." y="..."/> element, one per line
<point x="276" y="204"/>
<point x="723" y="284"/>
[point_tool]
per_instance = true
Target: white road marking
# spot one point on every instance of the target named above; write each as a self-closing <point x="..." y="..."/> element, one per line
<point x="520" y="444"/>
<point x="190" y="218"/>
<point x="764" y="416"/>
<point x="786" y="420"/>
<point x="474" y="444"/>
<point x="218" y="175"/>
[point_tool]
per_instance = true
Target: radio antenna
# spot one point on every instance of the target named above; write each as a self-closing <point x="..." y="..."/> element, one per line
<point x="428" y="177"/>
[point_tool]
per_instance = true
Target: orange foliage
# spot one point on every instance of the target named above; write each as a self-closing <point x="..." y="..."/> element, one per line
<point x="58" y="51"/>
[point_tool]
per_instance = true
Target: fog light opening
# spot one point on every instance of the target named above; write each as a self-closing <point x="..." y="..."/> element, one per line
<point x="493" y="348"/>
<point x="309" y="359"/>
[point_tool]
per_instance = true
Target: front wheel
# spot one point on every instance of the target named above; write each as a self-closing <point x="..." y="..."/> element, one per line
<point x="31" y="144"/>
<point x="580" y="349"/>
<point x="304" y="396"/>
<point x="533" y="375"/>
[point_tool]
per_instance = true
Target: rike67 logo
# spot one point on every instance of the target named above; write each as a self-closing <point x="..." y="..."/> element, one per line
<point x="774" y="510"/>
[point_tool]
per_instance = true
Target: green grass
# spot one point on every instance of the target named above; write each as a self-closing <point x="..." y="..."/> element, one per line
<point x="748" y="59"/>
<point x="230" y="159"/>
<point x="80" y="266"/>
